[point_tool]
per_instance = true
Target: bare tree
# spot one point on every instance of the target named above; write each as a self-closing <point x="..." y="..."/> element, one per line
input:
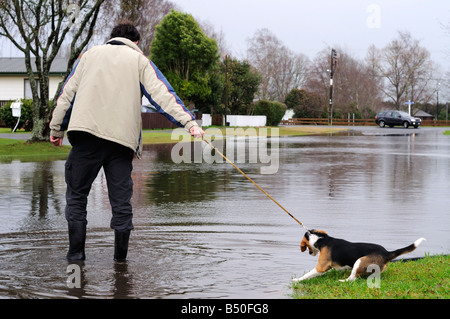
<point x="262" y="55"/>
<point x="38" y="29"/>
<point x="281" y="69"/>
<point x="356" y="90"/>
<point x="406" y="68"/>
<point x="292" y="71"/>
<point x="219" y="36"/>
<point x="145" y="14"/>
<point x="319" y="79"/>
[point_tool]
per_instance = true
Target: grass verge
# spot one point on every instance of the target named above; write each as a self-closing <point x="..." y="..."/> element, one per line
<point x="11" y="148"/>
<point x="19" y="149"/>
<point x="165" y="136"/>
<point x="426" y="278"/>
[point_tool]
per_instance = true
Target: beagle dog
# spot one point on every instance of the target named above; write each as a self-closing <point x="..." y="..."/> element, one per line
<point x="341" y="254"/>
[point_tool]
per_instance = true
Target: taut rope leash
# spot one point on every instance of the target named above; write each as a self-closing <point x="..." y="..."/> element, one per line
<point x="240" y="171"/>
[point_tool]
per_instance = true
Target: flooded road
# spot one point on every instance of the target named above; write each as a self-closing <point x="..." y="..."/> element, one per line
<point x="204" y="231"/>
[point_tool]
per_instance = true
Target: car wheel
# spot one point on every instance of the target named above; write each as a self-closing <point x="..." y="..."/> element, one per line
<point x="381" y="124"/>
<point x="405" y="124"/>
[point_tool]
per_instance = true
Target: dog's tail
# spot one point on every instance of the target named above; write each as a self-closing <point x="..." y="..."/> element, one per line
<point x="405" y="250"/>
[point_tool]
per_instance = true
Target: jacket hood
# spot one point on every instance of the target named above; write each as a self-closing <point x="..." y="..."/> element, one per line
<point x="127" y="42"/>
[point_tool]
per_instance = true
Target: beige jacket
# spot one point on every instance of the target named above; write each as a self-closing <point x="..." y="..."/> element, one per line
<point x="103" y="95"/>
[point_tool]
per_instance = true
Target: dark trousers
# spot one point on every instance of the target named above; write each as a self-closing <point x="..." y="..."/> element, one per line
<point x="88" y="155"/>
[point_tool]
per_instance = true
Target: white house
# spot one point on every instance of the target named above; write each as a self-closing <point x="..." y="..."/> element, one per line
<point x="14" y="83"/>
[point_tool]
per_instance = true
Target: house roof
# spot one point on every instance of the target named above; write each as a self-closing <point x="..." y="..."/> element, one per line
<point x="17" y="66"/>
<point x="420" y="113"/>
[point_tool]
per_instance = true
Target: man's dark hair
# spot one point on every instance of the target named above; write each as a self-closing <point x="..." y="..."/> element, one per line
<point x="126" y="29"/>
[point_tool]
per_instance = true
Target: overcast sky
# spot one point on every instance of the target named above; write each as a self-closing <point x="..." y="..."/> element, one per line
<point x="307" y="26"/>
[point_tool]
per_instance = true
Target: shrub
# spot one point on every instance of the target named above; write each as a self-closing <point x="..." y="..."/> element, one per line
<point x="305" y="104"/>
<point x="26" y="118"/>
<point x="273" y="110"/>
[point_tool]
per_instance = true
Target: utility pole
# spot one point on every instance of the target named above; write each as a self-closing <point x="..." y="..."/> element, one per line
<point x="226" y="92"/>
<point x="332" y="70"/>
<point x="437" y="100"/>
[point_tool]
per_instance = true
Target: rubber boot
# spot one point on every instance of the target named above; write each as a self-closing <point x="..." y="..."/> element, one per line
<point x="121" y="239"/>
<point x="77" y="240"/>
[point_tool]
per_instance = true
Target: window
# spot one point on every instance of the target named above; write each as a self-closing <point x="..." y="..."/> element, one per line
<point x="27" y="94"/>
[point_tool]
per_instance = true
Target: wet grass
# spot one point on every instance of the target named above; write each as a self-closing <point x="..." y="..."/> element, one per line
<point x="426" y="278"/>
<point x="159" y="137"/>
<point x="11" y="149"/>
<point x="165" y="136"/>
<point x="5" y="130"/>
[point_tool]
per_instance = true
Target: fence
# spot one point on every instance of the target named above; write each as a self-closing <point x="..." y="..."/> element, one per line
<point x="156" y="121"/>
<point x="159" y="121"/>
<point x="435" y="122"/>
<point x="324" y="121"/>
<point x="149" y="121"/>
<point x="352" y="122"/>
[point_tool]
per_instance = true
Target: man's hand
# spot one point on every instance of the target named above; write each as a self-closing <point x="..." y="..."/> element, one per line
<point x="57" y="141"/>
<point x="196" y="131"/>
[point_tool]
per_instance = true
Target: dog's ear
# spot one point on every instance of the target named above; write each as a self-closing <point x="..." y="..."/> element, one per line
<point x="303" y="244"/>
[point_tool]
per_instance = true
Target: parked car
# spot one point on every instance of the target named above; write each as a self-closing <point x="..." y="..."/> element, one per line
<point x="396" y="118"/>
<point x="148" y="109"/>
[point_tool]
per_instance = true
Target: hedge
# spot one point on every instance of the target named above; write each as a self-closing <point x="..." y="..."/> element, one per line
<point x="273" y="110"/>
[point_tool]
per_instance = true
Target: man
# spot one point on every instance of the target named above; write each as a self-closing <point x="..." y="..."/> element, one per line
<point x="100" y="107"/>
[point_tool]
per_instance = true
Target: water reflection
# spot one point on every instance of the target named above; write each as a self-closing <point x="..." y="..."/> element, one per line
<point x="119" y="282"/>
<point x="32" y="188"/>
<point x="204" y="231"/>
<point x="177" y="186"/>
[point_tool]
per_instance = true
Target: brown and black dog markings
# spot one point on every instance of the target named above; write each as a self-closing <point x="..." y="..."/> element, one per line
<point x="341" y="254"/>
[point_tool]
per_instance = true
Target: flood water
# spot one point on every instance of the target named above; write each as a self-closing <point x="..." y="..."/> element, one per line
<point x="204" y="231"/>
